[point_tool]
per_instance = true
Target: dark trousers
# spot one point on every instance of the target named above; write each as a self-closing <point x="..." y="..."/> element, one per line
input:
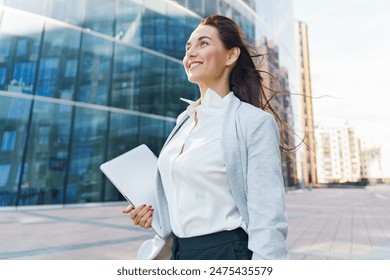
<point x="224" y="245"/>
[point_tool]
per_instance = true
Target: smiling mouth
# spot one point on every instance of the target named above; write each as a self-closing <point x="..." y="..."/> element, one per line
<point x="193" y="65"/>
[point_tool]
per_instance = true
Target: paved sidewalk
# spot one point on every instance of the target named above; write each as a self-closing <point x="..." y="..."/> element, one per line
<point x="323" y="224"/>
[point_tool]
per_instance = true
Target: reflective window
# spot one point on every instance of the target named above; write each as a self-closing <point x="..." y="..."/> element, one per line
<point x="47" y="154"/>
<point x="9" y="141"/>
<point x="154" y="26"/>
<point x="128" y="23"/>
<point x="95" y="70"/>
<point x="177" y="86"/>
<point x="123" y="136"/>
<point x="126" y="81"/>
<point x="197" y="7"/>
<point x="19" y="55"/>
<point x="13" y="118"/>
<point x="177" y="34"/>
<point x="152" y="84"/>
<point x="38" y="7"/>
<point x="152" y="133"/>
<point x="4" y="173"/>
<point x="210" y="7"/>
<point x="100" y="16"/>
<point x="58" y="64"/>
<point x="65" y="10"/>
<point x="88" y="153"/>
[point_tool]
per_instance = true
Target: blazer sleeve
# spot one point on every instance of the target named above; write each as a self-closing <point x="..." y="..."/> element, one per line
<point x="267" y="228"/>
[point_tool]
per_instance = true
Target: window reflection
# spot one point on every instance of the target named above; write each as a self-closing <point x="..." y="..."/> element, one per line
<point x="126" y="78"/>
<point x="128" y="22"/>
<point x="88" y="150"/>
<point x="58" y="64"/>
<point x="47" y="155"/>
<point x="152" y="84"/>
<point x="176" y="36"/>
<point x="19" y="54"/>
<point x="38" y="7"/>
<point x="152" y="133"/>
<point x="154" y="27"/>
<point x="65" y="10"/>
<point x="123" y="136"/>
<point x="96" y="54"/>
<point x="13" y="119"/>
<point x="100" y="16"/>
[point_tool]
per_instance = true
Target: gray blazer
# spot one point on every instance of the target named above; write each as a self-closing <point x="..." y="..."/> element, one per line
<point x="250" y="143"/>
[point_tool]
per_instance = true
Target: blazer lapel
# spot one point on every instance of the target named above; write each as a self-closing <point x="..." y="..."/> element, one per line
<point x="232" y="155"/>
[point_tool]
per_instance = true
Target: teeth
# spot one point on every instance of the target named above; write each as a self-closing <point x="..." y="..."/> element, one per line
<point x="194" y="65"/>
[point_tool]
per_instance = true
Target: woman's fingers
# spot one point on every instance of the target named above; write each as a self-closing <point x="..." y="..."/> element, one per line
<point x="141" y="215"/>
<point x="146" y="220"/>
<point x="128" y="209"/>
<point x="137" y="216"/>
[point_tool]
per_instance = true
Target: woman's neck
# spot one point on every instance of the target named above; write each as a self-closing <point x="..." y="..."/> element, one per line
<point x="220" y="90"/>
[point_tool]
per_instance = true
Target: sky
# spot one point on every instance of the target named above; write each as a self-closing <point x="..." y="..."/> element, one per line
<point x="349" y="45"/>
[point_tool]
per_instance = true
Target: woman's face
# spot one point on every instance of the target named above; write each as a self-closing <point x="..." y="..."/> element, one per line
<point x="205" y="58"/>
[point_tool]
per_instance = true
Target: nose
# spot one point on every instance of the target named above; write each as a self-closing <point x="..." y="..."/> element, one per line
<point x="191" y="52"/>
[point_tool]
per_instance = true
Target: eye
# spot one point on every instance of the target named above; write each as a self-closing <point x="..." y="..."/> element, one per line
<point x="203" y="43"/>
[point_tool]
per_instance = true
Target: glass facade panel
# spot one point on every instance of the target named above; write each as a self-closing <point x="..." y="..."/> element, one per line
<point x="154" y="26"/>
<point x="126" y="80"/>
<point x="14" y="115"/>
<point x="100" y="16"/>
<point x="123" y="136"/>
<point x="84" y="182"/>
<point x="64" y="10"/>
<point x="152" y="84"/>
<point x="38" y="7"/>
<point x="177" y="35"/>
<point x="177" y="86"/>
<point x="95" y="70"/>
<point x="47" y="154"/>
<point x="58" y="64"/>
<point x="151" y="132"/>
<point x="19" y="55"/>
<point x="128" y="23"/>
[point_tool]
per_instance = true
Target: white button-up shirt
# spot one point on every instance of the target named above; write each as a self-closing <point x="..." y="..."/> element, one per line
<point x="193" y="172"/>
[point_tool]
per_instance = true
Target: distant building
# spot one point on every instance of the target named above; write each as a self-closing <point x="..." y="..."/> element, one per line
<point x="338" y="154"/>
<point x="308" y="149"/>
<point x="371" y="163"/>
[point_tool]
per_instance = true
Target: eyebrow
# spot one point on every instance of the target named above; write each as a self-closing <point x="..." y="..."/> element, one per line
<point x="199" y="39"/>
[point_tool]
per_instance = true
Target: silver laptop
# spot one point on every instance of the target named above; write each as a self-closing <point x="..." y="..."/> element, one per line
<point x="134" y="175"/>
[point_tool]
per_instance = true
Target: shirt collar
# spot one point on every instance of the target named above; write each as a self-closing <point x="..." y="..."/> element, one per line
<point x="211" y="100"/>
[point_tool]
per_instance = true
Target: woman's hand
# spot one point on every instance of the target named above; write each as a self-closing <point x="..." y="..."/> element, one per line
<point x="142" y="215"/>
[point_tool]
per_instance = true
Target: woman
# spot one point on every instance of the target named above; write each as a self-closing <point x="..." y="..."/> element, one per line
<point x="220" y="188"/>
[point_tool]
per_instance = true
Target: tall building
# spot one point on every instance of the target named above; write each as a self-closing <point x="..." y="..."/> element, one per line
<point x="371" y="162"/>
<point x="338" y="154"/>
<point x="82" y="81"/>
<point x="308" y="149"/>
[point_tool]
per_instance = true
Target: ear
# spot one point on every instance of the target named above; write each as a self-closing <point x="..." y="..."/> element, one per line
<point x="233" y="55"/>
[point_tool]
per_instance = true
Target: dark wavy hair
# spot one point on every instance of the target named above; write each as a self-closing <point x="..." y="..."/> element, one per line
<point x="246" y="79"/>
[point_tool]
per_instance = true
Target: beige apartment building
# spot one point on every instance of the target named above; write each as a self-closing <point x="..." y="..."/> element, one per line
<point x="308" y="149"/>
<point x="371" y="162"/>
<point x="343" y="157"/>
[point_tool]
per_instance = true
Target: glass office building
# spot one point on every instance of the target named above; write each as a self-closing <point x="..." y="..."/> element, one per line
<point x="82" y="81"/>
